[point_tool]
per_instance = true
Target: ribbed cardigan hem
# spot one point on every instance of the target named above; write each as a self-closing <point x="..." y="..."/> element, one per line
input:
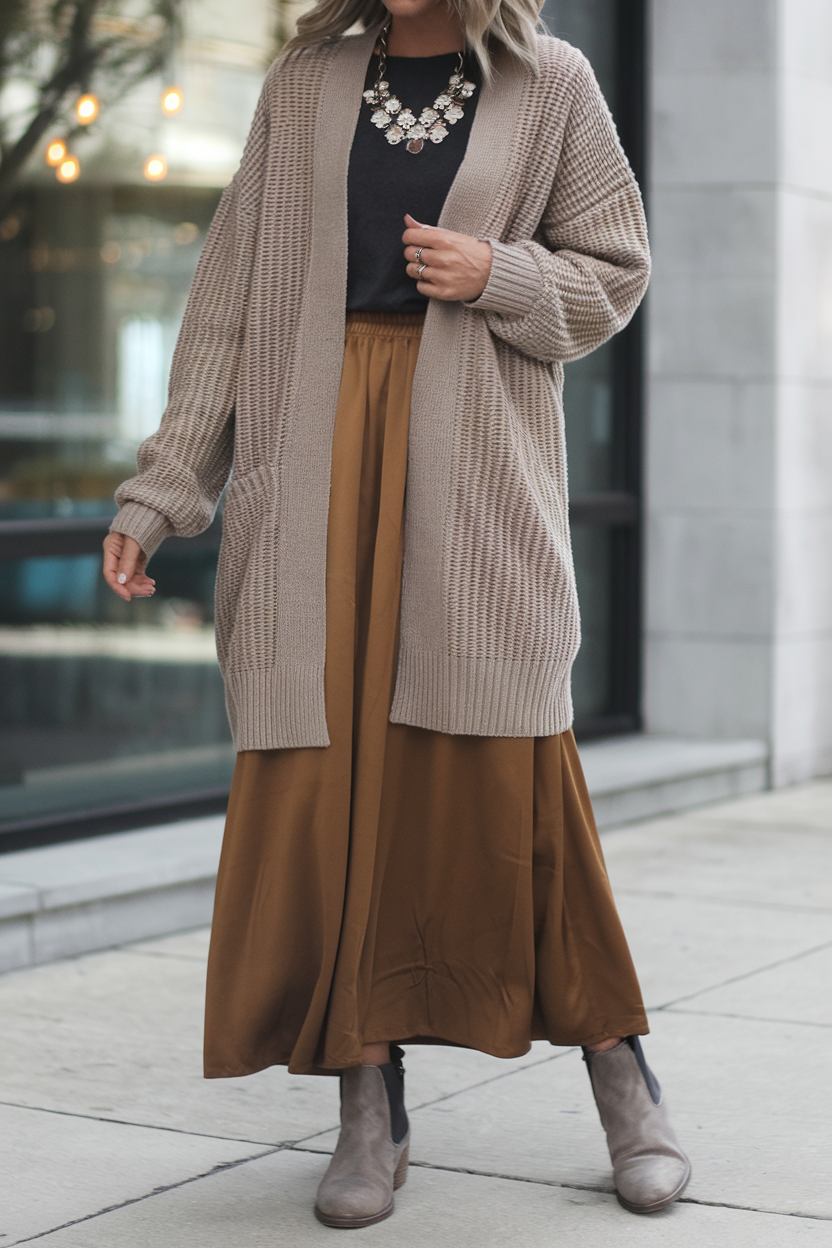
<point x="482" y="697"/>
<point x="144" y="524"/>
<point x="277" y="708"/>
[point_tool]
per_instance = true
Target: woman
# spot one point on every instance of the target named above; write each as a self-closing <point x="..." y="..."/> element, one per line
<point x="410" y="854"/>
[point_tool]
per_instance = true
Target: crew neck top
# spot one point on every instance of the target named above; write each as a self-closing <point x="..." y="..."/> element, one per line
<point x="385" y="181"/>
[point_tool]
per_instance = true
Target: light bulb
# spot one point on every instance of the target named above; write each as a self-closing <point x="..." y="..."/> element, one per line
<point x="68" y="169"/>
<point x="86" y="109"/>
<point x="55" y="152"/>
<point x="172" y="100"/>
<point x="155" y="168"/>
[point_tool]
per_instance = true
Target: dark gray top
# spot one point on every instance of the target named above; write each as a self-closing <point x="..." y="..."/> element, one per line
<point x="386" y="181"/>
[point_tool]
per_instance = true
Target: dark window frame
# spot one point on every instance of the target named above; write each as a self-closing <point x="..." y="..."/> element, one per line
<point x="620" y="512"/>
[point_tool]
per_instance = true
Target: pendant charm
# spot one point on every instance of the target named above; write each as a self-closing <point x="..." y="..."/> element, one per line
<point x="415" y="145"/>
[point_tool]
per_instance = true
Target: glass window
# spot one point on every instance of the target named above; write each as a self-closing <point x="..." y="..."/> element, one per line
<point x="105" y="705"/>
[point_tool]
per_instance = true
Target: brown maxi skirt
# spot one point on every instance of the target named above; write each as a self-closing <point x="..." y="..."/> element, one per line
<point x="403" y="884"/>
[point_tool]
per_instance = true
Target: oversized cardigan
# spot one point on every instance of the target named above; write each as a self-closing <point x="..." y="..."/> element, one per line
<point x="489" y="613"/>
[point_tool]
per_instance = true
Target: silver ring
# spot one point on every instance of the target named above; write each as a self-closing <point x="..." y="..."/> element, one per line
<point x="419" y="251"/>
<point x="420" y="271"/>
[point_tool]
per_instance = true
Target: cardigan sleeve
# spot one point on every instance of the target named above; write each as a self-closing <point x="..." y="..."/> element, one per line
<point x="579" y="281"/>
<point x="184" y="466"/>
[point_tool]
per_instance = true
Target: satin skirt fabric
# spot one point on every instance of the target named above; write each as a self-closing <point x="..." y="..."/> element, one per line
<point x="403" y="884"/>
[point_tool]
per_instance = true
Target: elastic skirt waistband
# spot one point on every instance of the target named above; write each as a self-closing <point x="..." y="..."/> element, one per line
<point x="385" y="324"/>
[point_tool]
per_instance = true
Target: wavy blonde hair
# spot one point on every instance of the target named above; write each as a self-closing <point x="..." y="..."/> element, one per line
<point x="487" y="25"/>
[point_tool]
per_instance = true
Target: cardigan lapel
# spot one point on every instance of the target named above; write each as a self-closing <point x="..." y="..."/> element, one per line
<point x="335" y="126"/>
<point x="474" y="204"/>
<point x="304" y="464"/>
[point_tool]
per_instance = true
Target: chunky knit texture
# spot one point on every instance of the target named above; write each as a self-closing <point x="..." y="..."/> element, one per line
<point x="489" y="620"/>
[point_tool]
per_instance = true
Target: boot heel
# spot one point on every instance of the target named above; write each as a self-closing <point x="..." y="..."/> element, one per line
<point x="400" y="1173"/>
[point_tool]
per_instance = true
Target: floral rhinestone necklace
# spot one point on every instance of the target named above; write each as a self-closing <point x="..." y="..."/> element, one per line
<point x="400" y="124"/>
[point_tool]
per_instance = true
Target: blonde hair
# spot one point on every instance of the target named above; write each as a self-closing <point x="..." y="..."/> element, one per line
<point x="486" y="23"/>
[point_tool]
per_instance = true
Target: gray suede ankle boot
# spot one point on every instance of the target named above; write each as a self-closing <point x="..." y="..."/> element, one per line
<point x="370" y="1160"/>
<point x="649" y="1167"/>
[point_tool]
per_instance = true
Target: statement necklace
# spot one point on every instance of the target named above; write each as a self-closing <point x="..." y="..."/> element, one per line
<point x="400" y="124"/>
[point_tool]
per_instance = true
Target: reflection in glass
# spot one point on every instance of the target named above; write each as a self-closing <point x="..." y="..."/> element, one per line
<point x="100" y="704"/>
<point x="590" y="425"/>
<point x="593" y="442"/>
<point x="591" y="546"/>
<point x="103" y="703"/>
<point x="142" y="376"/>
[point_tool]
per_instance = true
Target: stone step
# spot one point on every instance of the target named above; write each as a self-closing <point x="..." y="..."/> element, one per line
<point x="639" y="776"/>
<point x="64" y="900"/>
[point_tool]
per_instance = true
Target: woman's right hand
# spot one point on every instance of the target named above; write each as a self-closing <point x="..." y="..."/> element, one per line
<point x="124" y="565"/>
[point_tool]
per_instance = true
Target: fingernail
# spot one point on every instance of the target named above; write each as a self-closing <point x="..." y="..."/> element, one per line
<point x="122" y="578"/>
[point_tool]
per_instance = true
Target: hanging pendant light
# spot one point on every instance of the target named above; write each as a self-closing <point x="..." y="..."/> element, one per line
<point x="86" y="109"/>
<point x="155" y="168"/>
<point x="69" y="169"/>
<point x="55" y="152"/>
<point x="172" y="100"/>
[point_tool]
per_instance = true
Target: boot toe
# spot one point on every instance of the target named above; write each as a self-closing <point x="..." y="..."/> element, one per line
<point x="651" y="1181"/>
<point x="353" y="1203"/>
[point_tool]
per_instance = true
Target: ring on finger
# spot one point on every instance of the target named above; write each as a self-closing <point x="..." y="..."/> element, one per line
<point x="420" y="270"/>
<point x="419" y="251"/>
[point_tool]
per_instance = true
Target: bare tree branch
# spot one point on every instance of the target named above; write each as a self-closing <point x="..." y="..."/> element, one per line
<point x="94" y="45"/>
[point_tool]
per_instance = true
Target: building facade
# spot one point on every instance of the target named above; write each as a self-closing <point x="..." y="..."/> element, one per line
<point x="738" y="417"/>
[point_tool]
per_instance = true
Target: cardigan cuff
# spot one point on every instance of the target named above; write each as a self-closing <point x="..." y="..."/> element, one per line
<point x="144" y="524"/>
<point x="514" y="283"/>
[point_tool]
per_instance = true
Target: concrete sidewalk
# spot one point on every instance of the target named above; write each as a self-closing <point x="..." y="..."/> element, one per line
<point x="112" y="1140"/>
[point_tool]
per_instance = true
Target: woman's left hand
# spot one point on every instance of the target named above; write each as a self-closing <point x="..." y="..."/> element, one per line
<point x="456" y="265"/>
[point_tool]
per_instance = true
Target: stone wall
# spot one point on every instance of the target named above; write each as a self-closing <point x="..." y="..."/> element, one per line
<point x="739" y="423"/>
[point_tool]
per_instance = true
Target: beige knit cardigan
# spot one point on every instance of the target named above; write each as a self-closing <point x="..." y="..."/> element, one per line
<point x="489" y="616"/>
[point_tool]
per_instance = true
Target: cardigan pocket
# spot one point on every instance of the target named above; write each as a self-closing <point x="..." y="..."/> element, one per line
<point x="250" y="508"/>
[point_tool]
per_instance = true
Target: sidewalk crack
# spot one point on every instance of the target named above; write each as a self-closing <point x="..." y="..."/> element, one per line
<point x="148" y="1126"/>
<point x="506" y="1074"/>
<point x="601" y="1190"/>
<point x="412" y="1109"/>
<point x="736" y="979"/>
<point x="157" y="1191"/>
<point x="746" y="903"/>
<point x="747" y="1018"/>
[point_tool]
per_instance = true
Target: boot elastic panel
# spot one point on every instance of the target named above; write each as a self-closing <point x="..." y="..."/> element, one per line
<point x="393" y="1075"/>
<point x="653" y="1085"/>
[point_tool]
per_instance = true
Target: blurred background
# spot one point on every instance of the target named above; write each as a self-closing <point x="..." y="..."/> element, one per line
<point x="700" y="440"/>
